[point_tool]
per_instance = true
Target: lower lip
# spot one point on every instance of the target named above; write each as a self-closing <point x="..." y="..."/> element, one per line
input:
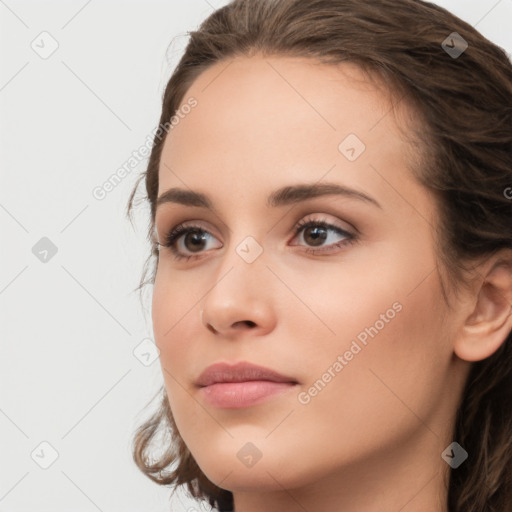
<point x="235" y="395"/>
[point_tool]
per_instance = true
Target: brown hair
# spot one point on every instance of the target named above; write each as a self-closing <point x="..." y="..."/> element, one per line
<point x="464" y="104"/>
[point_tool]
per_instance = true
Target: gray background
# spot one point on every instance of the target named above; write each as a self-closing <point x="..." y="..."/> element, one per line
<point x="77" y="364"/>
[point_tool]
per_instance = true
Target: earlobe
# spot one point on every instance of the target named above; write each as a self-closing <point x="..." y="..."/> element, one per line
<point x="490" y="321"/>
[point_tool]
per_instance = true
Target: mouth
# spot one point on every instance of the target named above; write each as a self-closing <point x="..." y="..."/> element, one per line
<point x="241" y="385"/>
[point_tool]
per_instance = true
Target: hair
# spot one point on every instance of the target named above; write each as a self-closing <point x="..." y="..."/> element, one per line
<point x="464" y="104"/>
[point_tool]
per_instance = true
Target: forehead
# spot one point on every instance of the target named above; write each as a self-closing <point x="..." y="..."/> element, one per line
<point x="278" y="91"/>
<point x="269" y="121"/>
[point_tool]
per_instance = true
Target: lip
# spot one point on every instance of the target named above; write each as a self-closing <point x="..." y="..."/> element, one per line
<point x="241" y="385"/>
<point x="239" y="372"/>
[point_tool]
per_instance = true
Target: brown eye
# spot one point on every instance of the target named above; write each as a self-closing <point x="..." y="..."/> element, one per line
<point x="194" y="240"/>
<point x="316" y="232"/>
<point x="315" y="235"/>
<point x="187" y="238"/>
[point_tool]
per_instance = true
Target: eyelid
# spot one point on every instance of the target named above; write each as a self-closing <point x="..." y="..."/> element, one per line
<point x="304" y="220"/>
<point x="165" y="230"/>
<point x="175" y="235"/>
<point x="349" y="227"/>
<point x="332" y="224"/>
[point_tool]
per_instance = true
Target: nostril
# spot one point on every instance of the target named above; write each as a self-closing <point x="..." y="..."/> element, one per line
<point x="250" y="323"/>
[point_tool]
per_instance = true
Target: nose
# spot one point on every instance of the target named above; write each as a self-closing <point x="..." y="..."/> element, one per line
<point x="236" y="301"/>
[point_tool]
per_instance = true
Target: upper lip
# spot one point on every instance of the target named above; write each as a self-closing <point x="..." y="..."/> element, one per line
<point x="239" y="372"/>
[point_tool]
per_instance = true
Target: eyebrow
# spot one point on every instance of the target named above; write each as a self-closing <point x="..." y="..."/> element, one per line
<point x="284" y="196"/>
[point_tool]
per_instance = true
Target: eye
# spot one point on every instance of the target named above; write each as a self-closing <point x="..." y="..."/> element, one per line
<point x="315" y="232"/>
<point x="193" y="238"/>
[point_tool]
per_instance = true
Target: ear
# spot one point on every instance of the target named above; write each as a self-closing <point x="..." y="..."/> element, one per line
<point x="490" y="315"/>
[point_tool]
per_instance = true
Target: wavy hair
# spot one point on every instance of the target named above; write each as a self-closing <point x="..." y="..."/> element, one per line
<point x="464" y="103"/>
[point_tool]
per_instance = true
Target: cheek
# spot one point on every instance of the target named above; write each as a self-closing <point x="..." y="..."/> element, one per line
<point x="174" y="297"/>
<point x="386" y="323"/>
<point x="389" y="354"/>
<point x="375" y="401"/>
<point x="174" y="311"/>
<point x="170" y="313"/>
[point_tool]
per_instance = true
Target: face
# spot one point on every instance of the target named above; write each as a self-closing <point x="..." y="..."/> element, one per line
<point x="337" y="291"/>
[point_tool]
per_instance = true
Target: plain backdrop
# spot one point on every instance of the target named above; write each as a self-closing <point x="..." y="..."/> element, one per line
<point x="80" y="90"/>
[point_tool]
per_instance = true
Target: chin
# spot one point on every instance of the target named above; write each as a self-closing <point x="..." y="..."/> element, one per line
<point x="230" y="467"/>
<point x="240" y="479"/>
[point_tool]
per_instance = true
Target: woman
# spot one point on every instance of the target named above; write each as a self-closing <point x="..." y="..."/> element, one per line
<point x="331" y="207"/>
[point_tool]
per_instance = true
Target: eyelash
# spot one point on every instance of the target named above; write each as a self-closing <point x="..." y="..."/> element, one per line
<point x="171" y="238"/>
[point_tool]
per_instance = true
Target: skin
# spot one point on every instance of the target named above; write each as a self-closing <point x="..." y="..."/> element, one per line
<point x="372" y="438"/>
